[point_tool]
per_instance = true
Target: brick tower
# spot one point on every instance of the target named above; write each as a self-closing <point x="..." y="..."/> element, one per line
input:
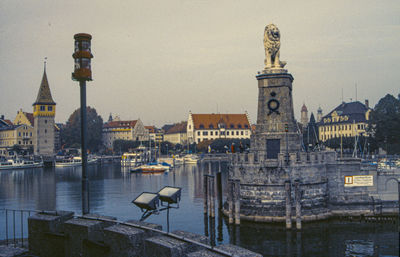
<point x="44" y="111"/>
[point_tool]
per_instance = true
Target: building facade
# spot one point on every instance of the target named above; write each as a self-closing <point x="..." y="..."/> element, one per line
<point x="133" y="130"/>
<point x="44" y="111"/>
<point x="177" y="134"/>
<point x="202" y="127"/>
<point x="346" y="120"/>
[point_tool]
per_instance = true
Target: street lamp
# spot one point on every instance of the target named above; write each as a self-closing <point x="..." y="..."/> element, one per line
<point x="170" y="195"/>
<point x="149" y="202"/>
<point x="83" y="72"/>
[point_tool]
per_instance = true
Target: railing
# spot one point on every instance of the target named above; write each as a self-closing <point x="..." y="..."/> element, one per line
<point x="15" y="226"/>
<point x="19" y="228"/>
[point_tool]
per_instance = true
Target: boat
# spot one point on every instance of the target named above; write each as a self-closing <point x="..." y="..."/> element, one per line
<point x="153" y="167"/>
<point x="20" y="164"/>
<point x="73" y="162"/>
<point x="135" y="158"/>
<point x="190" y="159"/>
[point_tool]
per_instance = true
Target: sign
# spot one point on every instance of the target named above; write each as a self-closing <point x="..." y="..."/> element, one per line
<point x="359" y="181"/>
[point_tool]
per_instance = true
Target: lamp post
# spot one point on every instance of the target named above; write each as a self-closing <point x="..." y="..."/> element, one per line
<point x="83" y="72"/>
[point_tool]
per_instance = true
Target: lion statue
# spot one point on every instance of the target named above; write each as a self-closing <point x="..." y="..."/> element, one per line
<point x="272" y="44"/>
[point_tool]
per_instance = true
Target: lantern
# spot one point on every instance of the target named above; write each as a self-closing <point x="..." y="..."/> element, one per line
<point x="82" y="56"/>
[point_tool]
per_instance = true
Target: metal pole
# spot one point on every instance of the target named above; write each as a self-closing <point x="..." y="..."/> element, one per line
<point x="219" y="190"/>
<point x="288" y="206"/>
<point x="287" y="148"/>
<point x="237" y="202"/>
<point x="298" y="204"/>
<point x="212" y="193"/>
<point x="230" y="201"/>
<point x="205" y="193"/>
<point x="85" y="181"/>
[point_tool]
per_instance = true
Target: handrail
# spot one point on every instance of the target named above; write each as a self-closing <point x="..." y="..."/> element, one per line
<point x="172" y="235"/>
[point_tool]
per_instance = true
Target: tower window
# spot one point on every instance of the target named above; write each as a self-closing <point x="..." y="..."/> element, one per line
<point x="50" y="108"/>
<point x="42" y="108"/>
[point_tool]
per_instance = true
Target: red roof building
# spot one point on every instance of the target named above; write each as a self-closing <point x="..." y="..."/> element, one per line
<point x="215" y="126"/>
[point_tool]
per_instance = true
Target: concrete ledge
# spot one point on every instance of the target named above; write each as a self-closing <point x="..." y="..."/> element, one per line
<point x="124" y="240"/>
<point x="10" y="251"/>
<point x="78" y="230"/>
<point x="46" y="233"/>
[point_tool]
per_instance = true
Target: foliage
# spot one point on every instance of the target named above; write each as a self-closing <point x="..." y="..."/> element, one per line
<point x="121" y="146"/>
<point x="71" y="134"/>
<point x="384" y="125"/>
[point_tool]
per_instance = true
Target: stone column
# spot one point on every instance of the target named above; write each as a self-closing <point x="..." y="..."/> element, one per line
<point x="288" y="205"/>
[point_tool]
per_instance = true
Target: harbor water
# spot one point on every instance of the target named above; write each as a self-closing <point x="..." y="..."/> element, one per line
<point x="112" y="189"/>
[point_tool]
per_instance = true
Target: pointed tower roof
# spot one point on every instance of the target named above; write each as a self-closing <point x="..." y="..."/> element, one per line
<point x="44" y="94"/>
<point x="304" y="108"/>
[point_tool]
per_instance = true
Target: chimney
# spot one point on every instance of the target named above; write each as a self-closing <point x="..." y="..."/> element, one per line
<point x="367" y="103"/>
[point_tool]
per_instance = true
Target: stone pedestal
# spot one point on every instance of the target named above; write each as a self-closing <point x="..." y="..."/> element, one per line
<point x="46" y="237"/>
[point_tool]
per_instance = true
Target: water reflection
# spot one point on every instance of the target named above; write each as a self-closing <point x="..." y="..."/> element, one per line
<point x="112" y="189"/>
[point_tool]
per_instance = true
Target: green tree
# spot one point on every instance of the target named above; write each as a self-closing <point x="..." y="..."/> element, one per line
<point x="384" y="125"/>
<point x="71" y="134"/>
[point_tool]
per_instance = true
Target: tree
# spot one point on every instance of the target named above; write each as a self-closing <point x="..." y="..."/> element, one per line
<point x="71" y="134"/>
<point x="384" y="124"/>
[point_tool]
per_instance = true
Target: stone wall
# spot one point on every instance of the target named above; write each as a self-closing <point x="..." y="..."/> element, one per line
<point x="321" y="181"/>
<point x="61" y="234"/>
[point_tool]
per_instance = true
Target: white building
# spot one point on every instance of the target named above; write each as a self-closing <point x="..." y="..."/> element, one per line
<point x="177" y="134"/>
<point x="202" y="127"/>
<point x="125" y="130"/>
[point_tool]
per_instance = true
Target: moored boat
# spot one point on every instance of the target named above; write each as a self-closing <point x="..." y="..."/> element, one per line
<point x="190" y="159"/>
<point x="20" y="164"/>
<point x="72" y="162"/>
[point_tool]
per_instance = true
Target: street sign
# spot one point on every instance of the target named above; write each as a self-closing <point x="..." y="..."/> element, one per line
<point x="358" y="181"/>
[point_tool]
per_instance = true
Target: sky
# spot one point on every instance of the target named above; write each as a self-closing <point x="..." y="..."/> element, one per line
<point x="158" y="60"/>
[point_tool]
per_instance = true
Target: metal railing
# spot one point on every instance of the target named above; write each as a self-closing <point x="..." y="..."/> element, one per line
<point x="15" y="226"/>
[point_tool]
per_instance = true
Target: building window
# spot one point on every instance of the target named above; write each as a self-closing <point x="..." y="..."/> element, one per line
<point x="222" y="133"/>
<point x="201" y="126"/>
<point x="216" y="133"/>
<point x="198" y="140"/>
<point x="237" y="133"/>
<point x="246" y="126"/>
<point x="45" y="131"/>
<point x="42" y="108"/>
<point x="19" y="134"/>
<point x="227" y="133"/>
<point x="241" y="132"/>
<point x="211" y="126"/>
<point x="50" y="108"/>
<point x="205" y="133"/>
<point x="247" y="133"/>
<point x="198" y="133"/>
<point x="239" y="125"/>
<point x="19" y="142"/>
<point x="211" y="133"/>
<point x="232" y="126"/>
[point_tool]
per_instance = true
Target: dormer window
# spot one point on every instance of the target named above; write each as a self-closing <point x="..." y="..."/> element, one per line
<point x="201" y="126"/>
<point x="211" y="126"/>
<point x="239" y="125"/>
<point x="246" y="126"/>
<point x="232" y="126"/>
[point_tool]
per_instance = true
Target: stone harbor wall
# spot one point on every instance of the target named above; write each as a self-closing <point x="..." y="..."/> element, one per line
<point x="59" y="233"/>
<point x="322" y="191"/>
